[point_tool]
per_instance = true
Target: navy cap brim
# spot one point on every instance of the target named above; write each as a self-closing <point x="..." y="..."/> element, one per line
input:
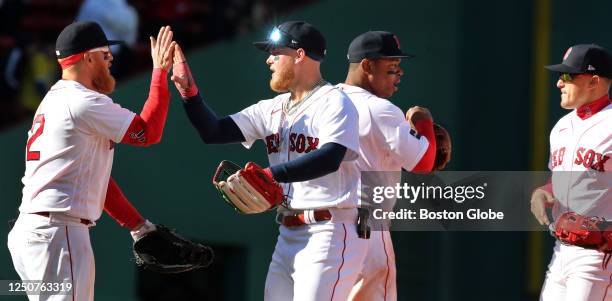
<point x="114" y="42"/>
<point x="399" y="56"/>
<point x="562" y="68"/>
<point x="268" y="46"/>
<point x="358" y="58"/>
<point x="263" y="45"/>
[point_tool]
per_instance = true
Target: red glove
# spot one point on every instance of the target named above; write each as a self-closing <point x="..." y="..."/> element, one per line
<point x="249" y="190"/>
<point x="578" y="230"/>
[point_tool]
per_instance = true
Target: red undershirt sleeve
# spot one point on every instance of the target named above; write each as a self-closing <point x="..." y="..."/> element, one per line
<point x="119" y="208"/>
<point x="425" y="128"/>
<point x="147" y="128"/>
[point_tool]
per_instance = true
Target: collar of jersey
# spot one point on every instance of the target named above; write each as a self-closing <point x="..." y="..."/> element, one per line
<point x="324" y="88"/>
<point x="592" y="108"/>
<point x="346" y="88"/>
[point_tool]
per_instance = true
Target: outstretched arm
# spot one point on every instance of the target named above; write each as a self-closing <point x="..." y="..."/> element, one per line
<point x="211" y="128"/>
<point x="147" y="127"/>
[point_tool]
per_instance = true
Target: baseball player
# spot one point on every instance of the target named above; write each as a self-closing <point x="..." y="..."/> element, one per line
<point x="69" y="155"/>
<point x="387" y="144"/>
<point x="580" y="148"/>
<point x="311" y="137"/>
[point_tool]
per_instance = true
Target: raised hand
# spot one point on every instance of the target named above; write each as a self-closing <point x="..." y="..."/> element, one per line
<point x="181" y="75"/>
<point x="162" y="48"/>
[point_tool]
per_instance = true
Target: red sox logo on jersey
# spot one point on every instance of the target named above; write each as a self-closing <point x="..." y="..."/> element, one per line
<point x="557" y="157"/>
<point x="584" y="157"/>
<point x="299" y="143"/>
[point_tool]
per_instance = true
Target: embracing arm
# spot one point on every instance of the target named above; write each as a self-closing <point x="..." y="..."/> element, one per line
<point x="209" y="126"/>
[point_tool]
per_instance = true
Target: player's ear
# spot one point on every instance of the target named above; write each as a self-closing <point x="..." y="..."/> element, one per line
<point x="594" y="81"/>
<point x="87" y="57"/>
<point x="366" y="66"/>
<point x="301" y="54"/>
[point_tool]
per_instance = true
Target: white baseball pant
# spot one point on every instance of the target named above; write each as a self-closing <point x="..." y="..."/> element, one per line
<point x="576" y="274"/>
<point x="318" y="261"/>
<point x="54" y="249"/>
<point x="377" y="279"/>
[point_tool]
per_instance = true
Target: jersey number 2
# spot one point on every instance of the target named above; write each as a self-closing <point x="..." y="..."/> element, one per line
<point x="35" y="155"/>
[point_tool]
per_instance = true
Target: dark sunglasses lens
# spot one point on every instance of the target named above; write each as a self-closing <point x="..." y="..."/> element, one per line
<point x="565" y="77"/>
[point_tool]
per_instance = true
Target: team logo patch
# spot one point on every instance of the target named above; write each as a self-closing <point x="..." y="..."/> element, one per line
<point x="397" y="41"/>
<point x="140" y="136"/>
<point x="567" y="53"/>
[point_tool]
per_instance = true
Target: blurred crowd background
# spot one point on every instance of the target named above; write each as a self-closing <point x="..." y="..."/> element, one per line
<point x="28" y="29"/>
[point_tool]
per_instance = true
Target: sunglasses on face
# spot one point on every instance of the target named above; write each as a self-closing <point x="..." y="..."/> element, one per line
<point x="105" y="52"/>
<point x="567" y="77"/>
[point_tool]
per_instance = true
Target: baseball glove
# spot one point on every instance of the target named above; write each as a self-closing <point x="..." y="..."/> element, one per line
<point x="443" y="147"/>
<point x="163" y="251"/>
<point x="249" y="190"/>
<point x="584" y="231"/>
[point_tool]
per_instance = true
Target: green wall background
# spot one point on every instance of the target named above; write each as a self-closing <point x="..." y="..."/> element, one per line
<point x="473" y="70"/>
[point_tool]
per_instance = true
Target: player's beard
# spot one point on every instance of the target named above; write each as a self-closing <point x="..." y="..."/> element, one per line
<point x="103" y="81"/>
<point x="281" y="80"/>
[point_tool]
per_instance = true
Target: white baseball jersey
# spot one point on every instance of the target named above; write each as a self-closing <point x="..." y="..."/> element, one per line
<point x="70" y="150"/>
<point x="326" y="116"/>
<point x="580" y="152"/>
<point x="579" y="158"/>
<point x="387" y="142"/>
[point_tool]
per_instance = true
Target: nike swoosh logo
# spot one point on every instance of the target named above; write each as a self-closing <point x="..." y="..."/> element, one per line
<point x="275" y="111"/>
<point x="563" y="129"/>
